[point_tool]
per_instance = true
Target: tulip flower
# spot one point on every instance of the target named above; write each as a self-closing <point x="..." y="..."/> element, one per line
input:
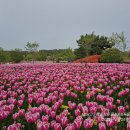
<point x="71" y="105"/>
<point x="102" y="126"/>
<point x="121" y="109"/>
<point x="93" y="110"/>
<point x="110" y="122"/>
<point x="70" y="127"/>
<point x="42" y="125"/>
<point x="128" y="126"/>
<point x="77" y="123"/>
<point x="64" y="121"/>
<point x="20" y="103"/>
<point x="77" y="112"/>
<point x="88" y="123"/>
<point x="15" y="126"/>
<point x="53" y="114"/>
<point x="57" y="126"/>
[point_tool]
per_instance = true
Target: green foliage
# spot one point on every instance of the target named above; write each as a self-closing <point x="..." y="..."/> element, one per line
<point x="69" y="55"/>
<point x="41" y="56"/>
<point x="79" y="53"/>
<point x="29" y="56"/>
<point x="63" y="55"/>
<point x="16" y="55"/>
<point x="112" y="55"/>
<point x="2" y="56"/>
<point x="126" y="56"/>
<point x="37" y="56"/>
<point x="31" y="47"/>
<point x="58" y="55"/>
<point x="92" y="44"/>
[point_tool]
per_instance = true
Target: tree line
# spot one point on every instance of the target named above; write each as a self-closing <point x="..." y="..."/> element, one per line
<point x="88" y="44"/>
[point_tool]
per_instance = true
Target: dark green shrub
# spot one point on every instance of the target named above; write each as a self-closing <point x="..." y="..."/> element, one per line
<point x="111" y="55"/>
<point x="16" y="56"/>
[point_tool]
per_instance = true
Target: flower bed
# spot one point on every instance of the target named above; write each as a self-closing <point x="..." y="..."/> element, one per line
<point x="65" y="96"/>
<point x="89" y="59"/>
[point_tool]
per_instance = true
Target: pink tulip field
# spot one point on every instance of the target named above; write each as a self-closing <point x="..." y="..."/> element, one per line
<point x="66" y="96"/>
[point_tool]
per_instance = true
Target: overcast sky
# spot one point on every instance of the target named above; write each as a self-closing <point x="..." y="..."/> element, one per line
<point x="59" y="23"/>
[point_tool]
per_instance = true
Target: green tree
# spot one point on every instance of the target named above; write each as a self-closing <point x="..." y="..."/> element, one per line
<point x="85" y="43"/>
<point x="111" y="55"/>
<point x="119" y="40"/>
<point x="62" y="55"/>
<point x="16" y="55"/>
<point x="92" y="44"/>
<point x="2" y="55"/>
<point x="69" y="55"/>
<point x="41" y="56"/>
<point x="31" y="47"/>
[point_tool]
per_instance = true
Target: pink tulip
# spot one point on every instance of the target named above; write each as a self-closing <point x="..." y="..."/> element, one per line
<point x="64" y="121"/>
<point x="53" y="122"/>
<point x="53" y="114"/>
<point x="109" y="122"/>
<point x="85" y="110"/>
<point x="115" y="118"/>
<point x="102" y="126"/>
<point x="14" y="126"/>
<point x="15" y="116"/>
<point x="77" y="112"/>
<point x="77" y="123"/>
<point x="128" y="126"/>
<point x="42" y="125"/>
<point x="45" y="118"/>
<point x="121" y="109"/>
<point x="22" y="96"/>
<point x="21" y="112"/>
<point x="30" y="100"/>
<point x="57" y="126"/>
<point x="4" y="114"/>
<point x="87" y="97"/>
<point x="93" y="110"/>
<point x="20" y="103"/>
<point x="58" y="118"/>
<point x="88" y="123"/>
<point x="31" y="118"/>
<point x="71" y="105"/>
<point x="127" y="107"/>
<point x="11" y="107"/>
<point x="109" y="105"/>
<point x="70" y="127"/>
<point x="100" y="118"/>
<point x="118" y="101"/>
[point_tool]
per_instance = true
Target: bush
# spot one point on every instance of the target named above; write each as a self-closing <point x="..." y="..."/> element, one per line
<point x="16" y="56"/>
<point x="112" y="55"/>
<point x="2" y="57"/>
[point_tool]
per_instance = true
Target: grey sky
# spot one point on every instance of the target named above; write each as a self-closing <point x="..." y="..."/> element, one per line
<point x="59" y="23"/>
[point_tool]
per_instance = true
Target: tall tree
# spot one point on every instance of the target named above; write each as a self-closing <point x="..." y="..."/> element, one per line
<point x="91" y="44"/>
<point x="85" y="42"/>
<point x="32" y="46"/>
<point x="119" y="40"/>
